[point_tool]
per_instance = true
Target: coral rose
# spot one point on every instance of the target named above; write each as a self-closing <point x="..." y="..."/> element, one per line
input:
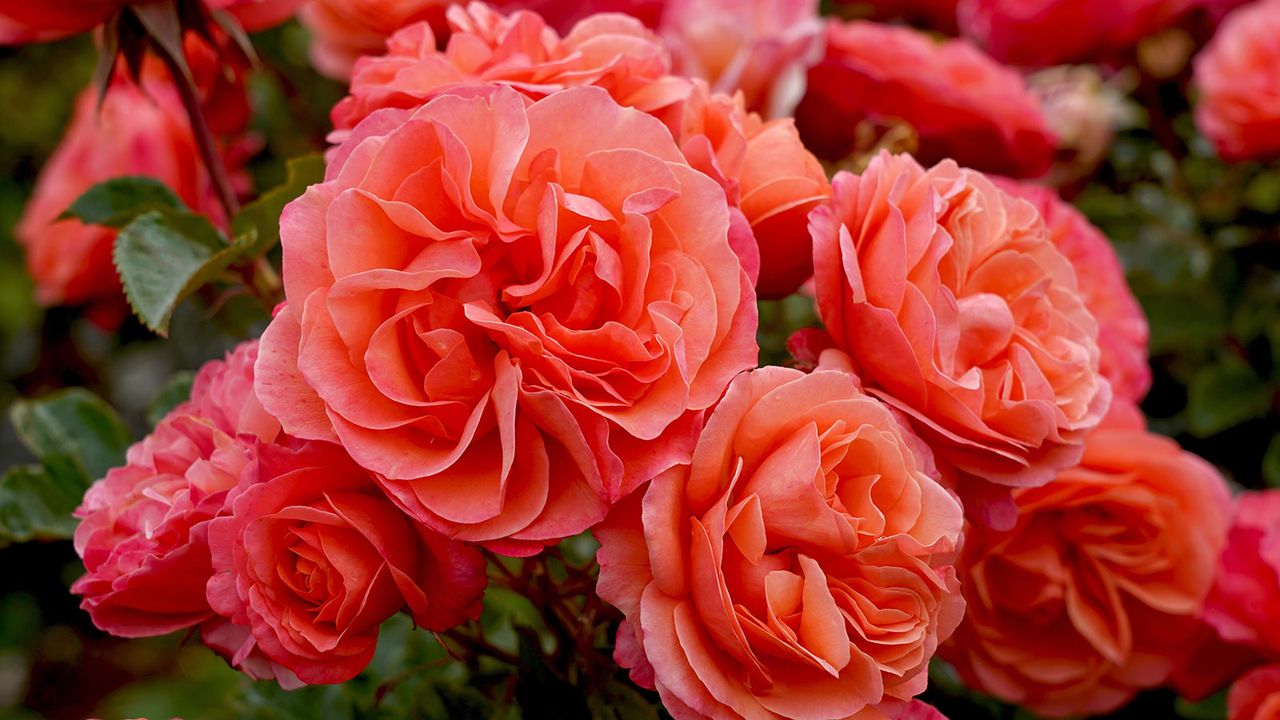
<point x="1237" y="73"/>
<point x="312" y="557"/>
<point x="1242" y="607"/>
<point x="512" y="313"/>
<point x="1122" y="326"/>
<point x="1054" y="32"/>
<point x="143" y="526"/>
<point x="962" y="104"/>
<point x="981" y="335"/>
<point x="613" y="52"/>
<point x="1094" y="593"/>
<point x="762" y="48"/>
<point x="137" y="131"/>
<point x="1256" y="696"/>
<point x="798" y="568"/>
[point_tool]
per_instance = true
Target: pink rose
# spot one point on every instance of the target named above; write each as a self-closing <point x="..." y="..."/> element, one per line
<point x="1243" y="603"/>
<point x="981" y="336"/>
<point x="1094" y="593"/>
<point x="1256" y="696"/>
<point x="962" y="104"/>
<point x="1122" y="325"/>
<point x="762" y="48"/>
<point x="1054" y="32"/>
<point x="799" y="567"/>
<point x="613" y="52"/>
<point x="510" y="312"/>
<point x="313" y="558"/>
<point x="138" y="131"/>
<point x="1237" y="73"/>
<point x="143" y="527"/>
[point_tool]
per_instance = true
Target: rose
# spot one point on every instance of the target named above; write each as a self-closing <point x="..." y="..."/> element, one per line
<point x="1054" y="32"/>
<point x="1242" y="605"/>
<point x="137" y="131"/>
<point x="25" y="22"/>
<point x="981" y="336"/>
<point x="1083" y="110"/>
<point x="511" y="313"/>
<point x="143" y="527"/>
<point x="1256" y="696"/>
<point x="1237" y="73"/>
<point x="798" y="567"/>
<point x="1122" y="326"/>
<point x="255" y="15"/>
<point x="962" y="104"/>
<point x="312" y="558"/>
<point x="761" y="48"/>
<point x="1094" y="593"/>
<point x="613" y="52"/>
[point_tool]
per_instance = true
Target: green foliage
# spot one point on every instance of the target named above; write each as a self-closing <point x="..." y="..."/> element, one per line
<point x="116" y="203"/>
<point x="164" y="257"/>
<point x="1224" y="395"/>
<point x="73" y="433"/>
<point x="257" y="227"/>
<point x="35" y="505"/>
<point x="174" y="393"/>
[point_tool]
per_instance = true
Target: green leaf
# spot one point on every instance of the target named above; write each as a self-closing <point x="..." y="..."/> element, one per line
<point x="1211" y="708"/>
<point x="1225" y="395"/>
<point x="175" y="392"/>
<point x="73" y="433"/>
<point x="35" y="505"/>
<point x="257" y="227"/>
<point x="164" y="257"/>
<point x="117" y="202"/>
<point x="620" y="701"/>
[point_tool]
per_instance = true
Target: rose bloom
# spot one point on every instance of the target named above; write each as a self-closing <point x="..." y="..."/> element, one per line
<point x="137" y="131"/>
<point x="1237" y="72"/>
<point x="312" y="557"/>
<point x="143" y="527"/>
<point x="1093" y="595"/>
<point x="1256" y="696"/>
<point x="1122" y="326"/>
<point x="770" y="179"/>
<point x="613" y="52"/>
<point x="798" y="568"/>
<point x="982" y="337"/>
<point x="1054" y="32"/>
<point x="962" y="104"/>
<point x="1246" y="594"/>
<point x="1083" y="110"/>
<point x="762" y="48"/>
<point x="512" y="313"/>
<point x="22" y="21"/>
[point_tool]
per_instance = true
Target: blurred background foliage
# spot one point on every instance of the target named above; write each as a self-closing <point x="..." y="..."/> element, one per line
<point x="1200" y="240"/>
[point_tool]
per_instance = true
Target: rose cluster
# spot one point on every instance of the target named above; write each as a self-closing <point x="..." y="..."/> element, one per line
<point x="523" y="305"/>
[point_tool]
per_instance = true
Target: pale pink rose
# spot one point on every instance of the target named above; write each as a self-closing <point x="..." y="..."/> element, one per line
<point x="1122" y="326"/>
<point x="799" y="567"/>
<point x="142" y="533"/>
<point x="1256" y="696"/>
<point x="1237" y="74"/>
<point x="962" y="104"/>
<point x="1054" y="32"/>
<point x="614" y="52"/>
<point x="1093" y="595"/>
<point x="511" y="312"/>
<point x="312" y="558"/>
<point x="762" y="48"/>
<point x="137" y="131"/>
<point x="981" y="335"/>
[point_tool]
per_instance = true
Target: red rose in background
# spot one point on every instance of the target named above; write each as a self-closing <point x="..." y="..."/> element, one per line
<point x="1246" y="595"/>
<point x="981" y="336"/>
<point x="1094" y="593"/>
<point x="612" y="52"/>
<point x="511" y="313"/>
<point x="962" y="104"/>
<point x="143" y="527"/>
<point x="255" y="15"/>
<point x="1237" y="73"/>
<point x="23" y="21"/>
<point x="1122" y="326"/>
<point x="313" y="558"/>
<point x="1053" y="32"/>
<point x="799" y="567"/>
<point x="138" y="131"/>
<point x="762" y="48"/>
<point x="1256" y="696"/>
